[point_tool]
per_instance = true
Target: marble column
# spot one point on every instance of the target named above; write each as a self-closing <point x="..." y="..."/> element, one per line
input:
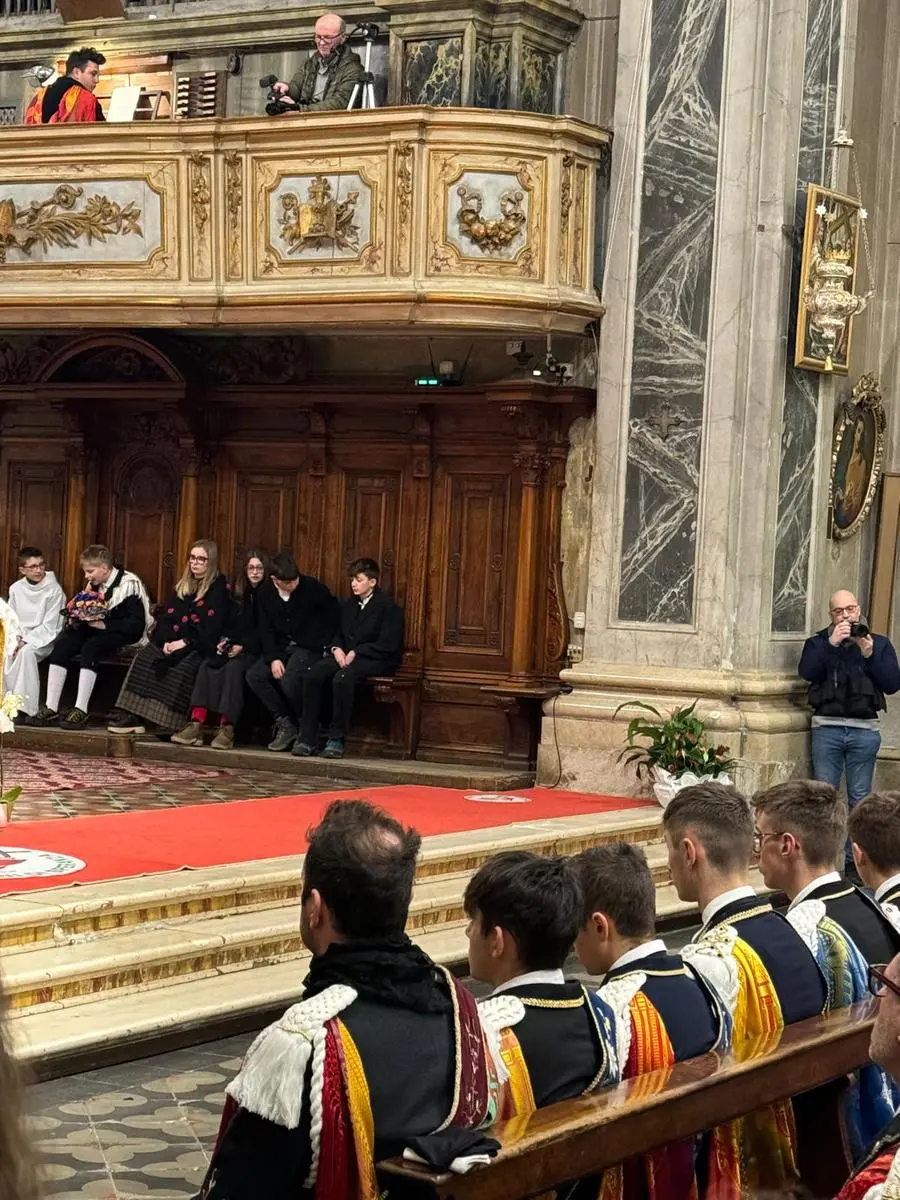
<point x="711" y="96"/>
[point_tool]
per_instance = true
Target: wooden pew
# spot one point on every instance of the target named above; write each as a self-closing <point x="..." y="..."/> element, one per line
<point x="581" y="1138"/>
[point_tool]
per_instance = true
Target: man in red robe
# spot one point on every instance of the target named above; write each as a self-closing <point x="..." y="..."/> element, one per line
<point x="70" y="99"/>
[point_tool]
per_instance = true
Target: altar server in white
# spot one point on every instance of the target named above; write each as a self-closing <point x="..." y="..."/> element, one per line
<point x="36" y="602"/>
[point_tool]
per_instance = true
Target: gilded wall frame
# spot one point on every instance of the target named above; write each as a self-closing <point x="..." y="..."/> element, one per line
<point x="831" y="232"/>
<point x="856" y="459"/>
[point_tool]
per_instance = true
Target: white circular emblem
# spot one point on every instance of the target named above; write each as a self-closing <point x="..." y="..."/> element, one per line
<point x="16" y="862"/>
<point x="497" y="798"/>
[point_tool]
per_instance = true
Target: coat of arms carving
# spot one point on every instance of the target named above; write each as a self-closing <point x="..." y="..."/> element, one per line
<point x="320" y="219"/>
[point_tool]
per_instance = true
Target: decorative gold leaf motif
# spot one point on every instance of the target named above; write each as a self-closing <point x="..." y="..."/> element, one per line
<point x="403" y="160"/>
<point x="234" y="201"/>
<point x="56" y="222"/>
<point x="201" y="197"/>
<point x="319" y="220"/>
<point x="490" y="234"/>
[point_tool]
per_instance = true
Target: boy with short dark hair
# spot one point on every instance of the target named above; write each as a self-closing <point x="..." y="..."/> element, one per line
<point x="369" y="641"/>
<point x="35" y="618"/>
<point x="874" y="829"/>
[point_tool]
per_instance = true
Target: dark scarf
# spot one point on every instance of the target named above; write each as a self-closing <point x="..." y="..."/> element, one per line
<point x="387" y="970"/>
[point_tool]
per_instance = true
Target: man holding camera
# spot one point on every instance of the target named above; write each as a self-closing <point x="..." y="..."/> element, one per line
<point x="326" y="80"/>
<point x="849" y="671"/>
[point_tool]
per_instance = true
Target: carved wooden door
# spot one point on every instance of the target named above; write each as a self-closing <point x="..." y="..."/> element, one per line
<point x="265" y="513"/>
<point x="144" y="520"/>
<point x="35" y="513"/>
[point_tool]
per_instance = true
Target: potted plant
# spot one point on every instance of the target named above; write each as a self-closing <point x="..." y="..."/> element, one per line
<point x="675" y="752"/>
<point x="9" y="710"/>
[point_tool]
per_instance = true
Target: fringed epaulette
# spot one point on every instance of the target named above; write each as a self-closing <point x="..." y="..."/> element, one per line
<point x="617" y="996"/>
<point x="498" y="1013"/>
<point x="272" y="1079"/>
<point x="804" y="918"/>
<point x="711" y="955"/>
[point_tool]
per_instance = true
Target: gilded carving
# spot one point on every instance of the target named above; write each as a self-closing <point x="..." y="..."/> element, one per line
<point x="565" y="206"/>
<point x="234" y="203"/>
<point x="403" y="159"/>
<point x="490" y="234"/>
<point x="319" y="220"/>
<point x="56" y="222"/>
<point x="201" y="198"/>
<point x="578" y="231"/>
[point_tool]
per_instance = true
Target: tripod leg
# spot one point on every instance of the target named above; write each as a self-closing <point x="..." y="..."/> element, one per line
<point x="354" y="96"/>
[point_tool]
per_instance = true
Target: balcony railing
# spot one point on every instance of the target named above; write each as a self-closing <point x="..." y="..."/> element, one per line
<point x="434" y="217"/>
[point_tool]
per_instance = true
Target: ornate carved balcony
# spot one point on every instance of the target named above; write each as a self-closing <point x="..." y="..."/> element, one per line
<point x="413" y="216"/>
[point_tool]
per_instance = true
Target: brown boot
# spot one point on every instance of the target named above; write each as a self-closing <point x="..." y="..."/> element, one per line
<point x="224" y="739"/>
<point x="191" y="735"/>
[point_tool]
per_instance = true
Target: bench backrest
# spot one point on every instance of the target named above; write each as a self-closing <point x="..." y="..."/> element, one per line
<point x="580" y="1138"/>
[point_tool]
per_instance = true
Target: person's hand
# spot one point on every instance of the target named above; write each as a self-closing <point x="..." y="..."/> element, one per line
<point x="19" y="644"/>
<point x="235" y="651"/>
<point x="97" y="623"/>
<point x="339" y="656"/>
<point x="840" y="633"/>
<point x="278" y="669"/>
<point x="866" y="645"/>
<point x="173" y="647"/>
<point x="280" y="88"/>
<point x="348" y="658"/>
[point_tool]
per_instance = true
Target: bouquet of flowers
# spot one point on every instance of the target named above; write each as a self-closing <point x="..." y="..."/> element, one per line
<point x="86" y="606"/>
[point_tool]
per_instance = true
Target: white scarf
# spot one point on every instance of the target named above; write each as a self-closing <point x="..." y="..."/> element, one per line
<point x="122" y="584"/>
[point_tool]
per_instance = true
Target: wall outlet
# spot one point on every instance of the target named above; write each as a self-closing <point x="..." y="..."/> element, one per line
<point x="579" y="620"/>
<point x="575" y="653"/>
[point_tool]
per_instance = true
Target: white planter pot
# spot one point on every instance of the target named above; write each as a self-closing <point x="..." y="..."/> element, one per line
<point x="666" y="786"/>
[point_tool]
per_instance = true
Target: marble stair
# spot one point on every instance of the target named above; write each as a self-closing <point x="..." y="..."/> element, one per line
<point x="99" y="972"/>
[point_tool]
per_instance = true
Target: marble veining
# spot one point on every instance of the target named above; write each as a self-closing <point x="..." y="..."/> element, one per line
<point x="681" y="167"/>
<point x="433" y="72"/>
<point x="793" y="533"/>
<point x="492" y="73"/>
<point x="538" y="79"/>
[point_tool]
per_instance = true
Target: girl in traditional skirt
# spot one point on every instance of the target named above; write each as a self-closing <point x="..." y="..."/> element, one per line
<point x="219" y="686"/>
<point x="159" y="684"/>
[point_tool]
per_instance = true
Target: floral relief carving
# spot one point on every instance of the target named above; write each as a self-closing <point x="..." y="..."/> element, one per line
<point x="403" y="160"/>
<point x="57" y="222"/>
<point x="201" y="198"/>
<point x="234" y="203"/>
<point x="490" y="234"/>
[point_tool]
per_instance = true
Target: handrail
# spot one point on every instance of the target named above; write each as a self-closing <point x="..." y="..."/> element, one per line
<point x="580" y="1138"/>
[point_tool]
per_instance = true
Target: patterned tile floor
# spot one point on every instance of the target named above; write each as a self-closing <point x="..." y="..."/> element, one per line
<point x="181" y="787"/>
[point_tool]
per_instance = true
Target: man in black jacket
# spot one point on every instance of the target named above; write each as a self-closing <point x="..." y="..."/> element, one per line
<point x="298" y="619"/>
<point x="370" y="642"/>
<point x="850" y="671"/>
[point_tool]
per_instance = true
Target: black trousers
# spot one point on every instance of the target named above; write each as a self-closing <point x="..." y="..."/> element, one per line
<point x="90" y="644"/>
<point x="343" y="682"/>
<point x="220" y="686"/>
<point x="280" y="697"/>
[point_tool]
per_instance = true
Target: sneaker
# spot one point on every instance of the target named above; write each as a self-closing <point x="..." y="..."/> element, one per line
<point x="123" y="722"/>
<point x="334" y="748"/>
<point x="303" y="749"/>
<point x="285" y="734"/>
<point x="224" y="739"/>
<point x="45" y="716"/>
<point x="75" y="718"/>
<point x="191" y="735"/>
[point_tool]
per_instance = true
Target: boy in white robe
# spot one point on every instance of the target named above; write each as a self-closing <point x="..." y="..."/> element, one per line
<point x="36" y="603"/>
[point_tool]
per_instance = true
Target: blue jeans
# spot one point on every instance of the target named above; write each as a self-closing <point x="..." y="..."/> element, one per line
<point x="837" y="749"/>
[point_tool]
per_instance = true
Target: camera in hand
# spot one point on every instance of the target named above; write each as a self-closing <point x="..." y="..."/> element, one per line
<point x="275" y="104"/>
<point x="859" y="629"/>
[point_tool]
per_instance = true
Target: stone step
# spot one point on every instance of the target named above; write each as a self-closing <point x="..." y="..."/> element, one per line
<point x="55" y="916"/>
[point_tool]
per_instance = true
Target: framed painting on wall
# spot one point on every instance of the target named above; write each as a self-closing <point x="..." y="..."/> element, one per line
<point x="856" y="458"/>
<point x="827" y="302"/>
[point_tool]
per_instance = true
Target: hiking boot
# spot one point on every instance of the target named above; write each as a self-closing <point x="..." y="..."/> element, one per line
<point x="303" y="749"/>
<point x="45" y="716"/>
<point x="123" y="722"/>
<point x="334" y="748"/>
<point x="75" y="718"/>
<point x="285" y="734"/>
<point x="224" y="739"/>
<point x="191" y="735"/>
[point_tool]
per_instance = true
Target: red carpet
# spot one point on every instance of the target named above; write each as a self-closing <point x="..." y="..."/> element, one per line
<point x="141" y="843"/>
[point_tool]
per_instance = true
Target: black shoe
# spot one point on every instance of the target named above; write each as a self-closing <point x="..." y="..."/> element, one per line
<point x="303" y="749"/>
<point x="75" y="718"/>
<point x="122" y="722"/>
<point x="45" y="716"/>
<point x="285" y="734"/>
<point x="334" y="748"/>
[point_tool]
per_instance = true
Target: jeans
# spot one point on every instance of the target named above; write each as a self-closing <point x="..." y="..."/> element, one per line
<point x="839" y="749"/>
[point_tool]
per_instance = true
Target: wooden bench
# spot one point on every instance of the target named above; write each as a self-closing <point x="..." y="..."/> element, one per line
<point x="581" y="1138"/>
<point x="404" y="695"/>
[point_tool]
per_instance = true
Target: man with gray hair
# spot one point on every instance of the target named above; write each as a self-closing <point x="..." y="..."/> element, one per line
<point x="849" y="671"/>
<point x="326" y="80"/>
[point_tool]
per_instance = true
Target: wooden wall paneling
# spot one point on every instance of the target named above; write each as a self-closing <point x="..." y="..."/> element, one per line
<point x="371" y="522"/>
<point x="313" y="499"/>
<point x="553" y="619"/>
<point x="415" y="517"/>
<point x="36" y="507"/>
<point x="144" y="518"/>
<point x="265" y="511"/>
<point x="460" y="721"/>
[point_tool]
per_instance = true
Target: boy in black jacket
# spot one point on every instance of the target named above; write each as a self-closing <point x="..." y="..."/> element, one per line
<point x="298" y="620"/>
<point x="370" y="642"/>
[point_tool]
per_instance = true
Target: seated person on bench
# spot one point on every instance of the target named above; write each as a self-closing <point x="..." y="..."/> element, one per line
<point x="36" y="603"/>
<point x="219" y="686"/>
<point x="369" y="642"/>
<point x="709" y="835"/>
<point x="874" y="829"/>
<point x="524" y="912"/>
<point x="113" y="612"/>
<point x="663" y="1011"/>
<point x="161" y="678"/>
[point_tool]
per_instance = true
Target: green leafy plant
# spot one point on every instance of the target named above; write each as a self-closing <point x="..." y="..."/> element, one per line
<point x="675" y="743"/>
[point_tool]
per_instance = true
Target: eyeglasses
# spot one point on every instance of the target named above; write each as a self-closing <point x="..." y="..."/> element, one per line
<point x="847" y="609"/>
<point x="879" y="982"/>
<point x="198" y="558"/>
<point x="326" y="38"/>
<point x="759" y="837"/>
